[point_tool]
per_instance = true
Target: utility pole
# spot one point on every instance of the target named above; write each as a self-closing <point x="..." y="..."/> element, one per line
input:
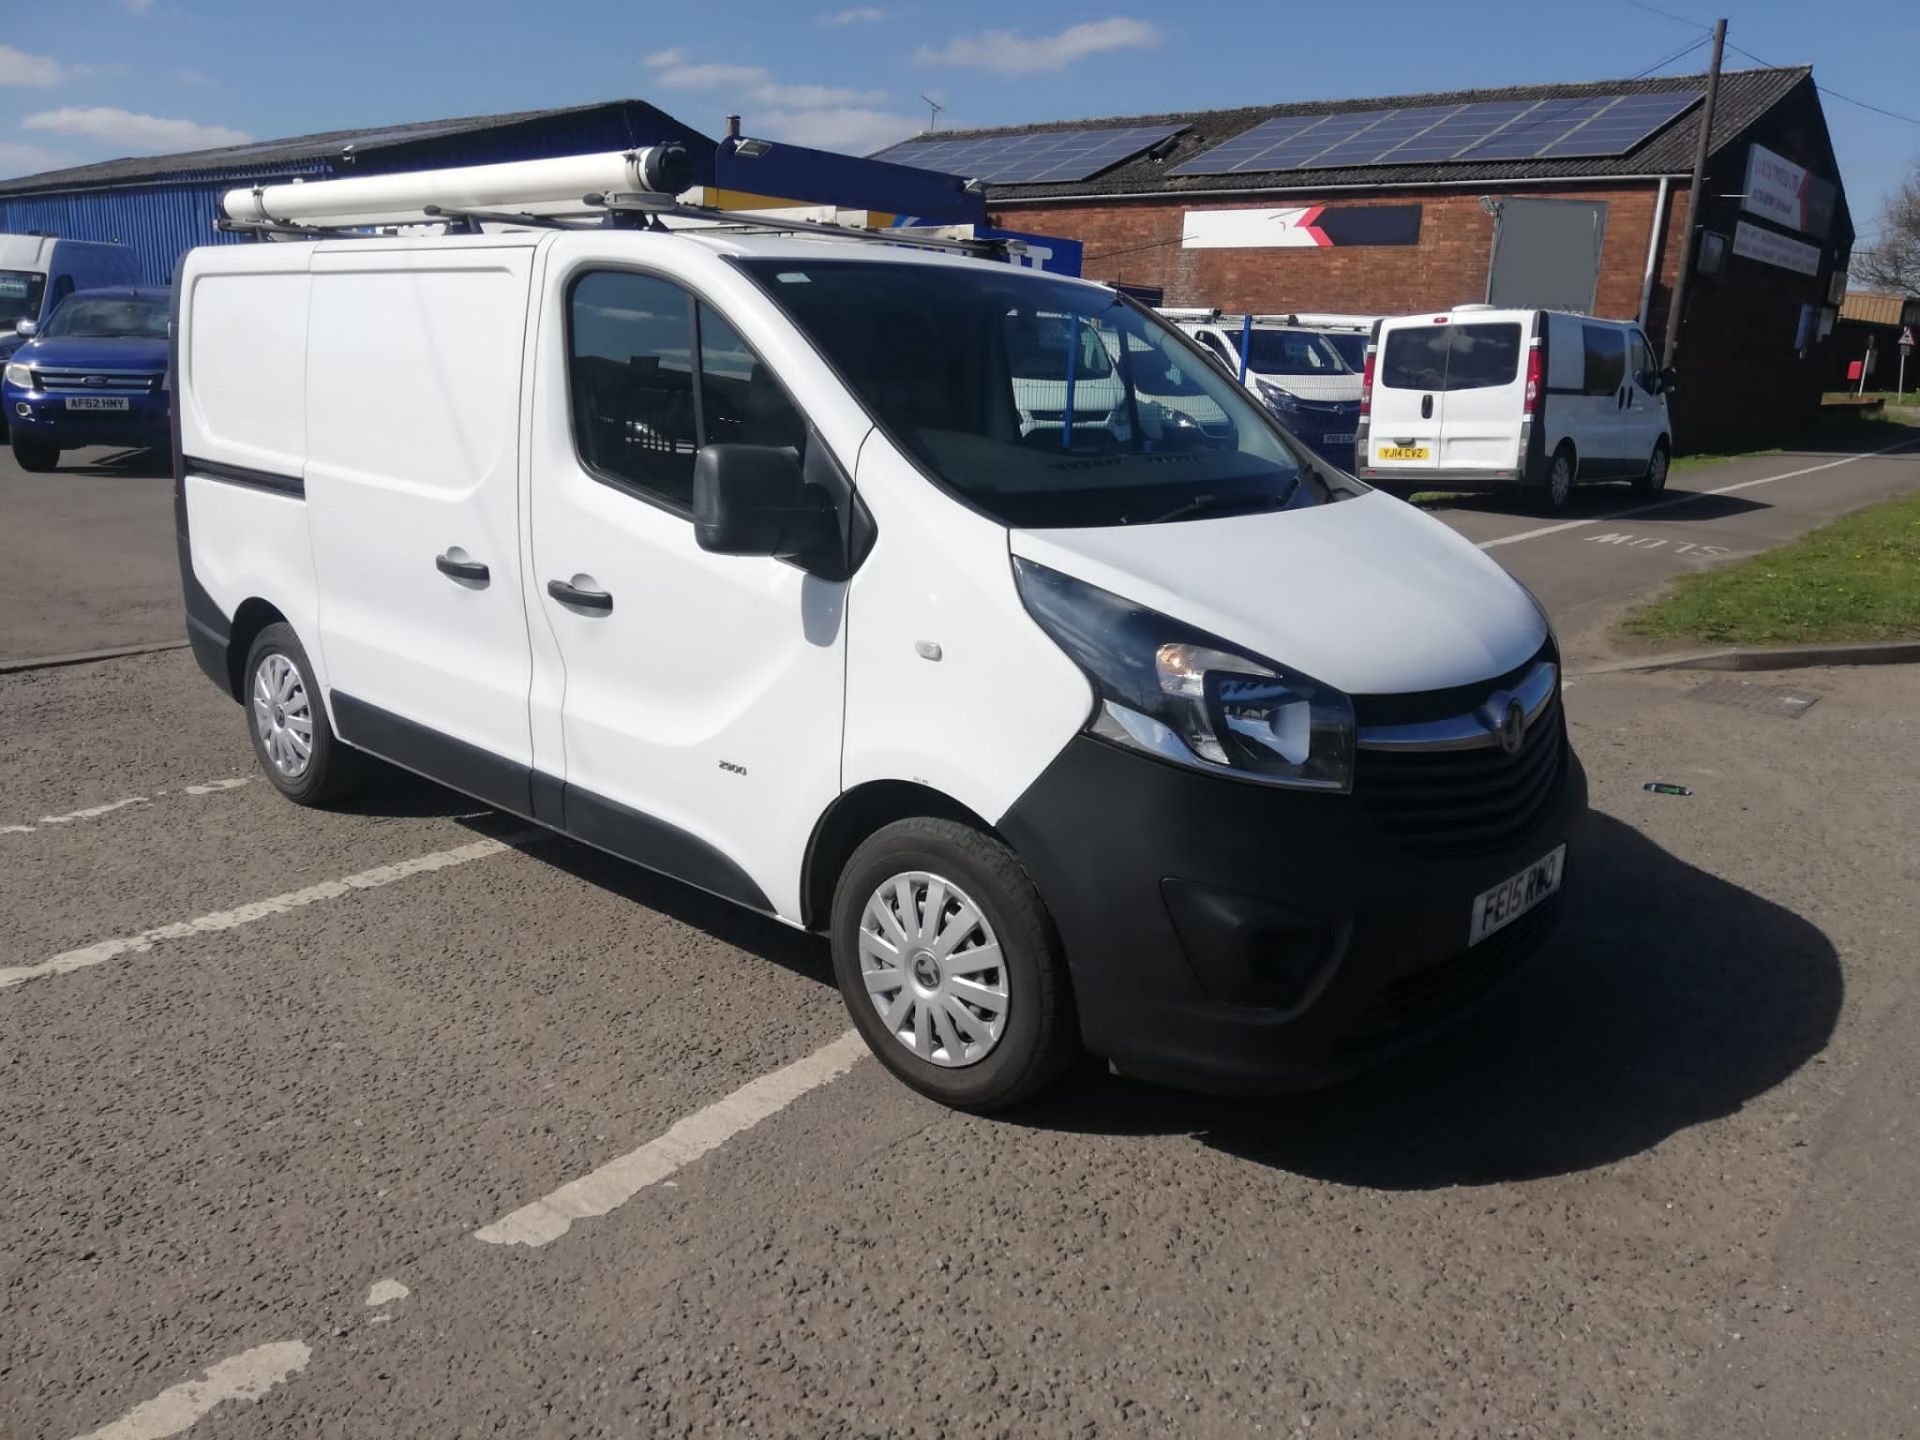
<point x="1677" y="309"/>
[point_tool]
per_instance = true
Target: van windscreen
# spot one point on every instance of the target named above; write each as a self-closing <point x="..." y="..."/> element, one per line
<point x="1041" y="401"/>
<point x="1451" y="357"/>
<point x="20" y="292"/>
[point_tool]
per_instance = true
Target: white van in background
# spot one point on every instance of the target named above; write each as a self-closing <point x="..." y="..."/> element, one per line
<point x="731" y="554"/>
<point x="37" y="272"/>
<point x="1478" y="397"/>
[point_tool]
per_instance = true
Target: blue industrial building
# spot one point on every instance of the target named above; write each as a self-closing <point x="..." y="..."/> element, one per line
<point x="164" y="205"/>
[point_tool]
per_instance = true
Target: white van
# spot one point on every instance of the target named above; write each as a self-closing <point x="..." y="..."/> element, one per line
<point x="37" y="272"/>
<point x="1478" y="397"/>
<point x="731" y="554"/>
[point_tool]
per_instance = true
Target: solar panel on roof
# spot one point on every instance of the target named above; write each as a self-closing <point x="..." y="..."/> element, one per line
<point x="1061" y="155"/>
<point x="1584" y="125"/>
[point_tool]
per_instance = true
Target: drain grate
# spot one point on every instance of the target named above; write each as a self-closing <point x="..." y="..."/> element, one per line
<point x="1780" y="701"/>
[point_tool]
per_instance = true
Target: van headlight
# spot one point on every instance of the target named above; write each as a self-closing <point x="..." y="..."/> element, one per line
<point x="21" y="375"/>
<point x="1183" y="695"/>
<point x="1284" y="402"/>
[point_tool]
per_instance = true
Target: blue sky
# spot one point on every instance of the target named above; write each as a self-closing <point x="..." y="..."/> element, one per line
<point x="145" y="76"/>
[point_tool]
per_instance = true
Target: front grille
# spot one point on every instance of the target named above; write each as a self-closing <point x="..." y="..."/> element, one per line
<point x="1456" y="983"/>
<point x="1464" y="801"/>
<point x="79" y="380"/>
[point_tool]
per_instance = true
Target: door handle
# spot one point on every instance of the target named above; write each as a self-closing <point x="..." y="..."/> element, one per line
<point x="461" y="569"/>
<point x="580" y="599"/>
<point x="1426" y="407"/>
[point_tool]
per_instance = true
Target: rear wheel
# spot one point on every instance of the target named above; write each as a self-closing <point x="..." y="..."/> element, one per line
<point x="1655" y="480"/>
<point x="35" y="455"/>
<point x="1556" y="490"/>
<point x="950" y="966"/>
<point x="295" y="745"/>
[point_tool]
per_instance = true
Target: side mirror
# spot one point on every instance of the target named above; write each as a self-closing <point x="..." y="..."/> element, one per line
<point x="1669" y="379"/>
<point x="26" y="329"/>
<point x="753" y="500"/>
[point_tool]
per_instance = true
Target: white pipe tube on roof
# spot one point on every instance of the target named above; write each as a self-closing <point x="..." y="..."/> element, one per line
<point x="552" y="186"/>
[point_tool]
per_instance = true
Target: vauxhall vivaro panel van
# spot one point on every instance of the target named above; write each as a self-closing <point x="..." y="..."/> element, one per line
<point x="737" y="555"/>
<point x="1534" y="399"/>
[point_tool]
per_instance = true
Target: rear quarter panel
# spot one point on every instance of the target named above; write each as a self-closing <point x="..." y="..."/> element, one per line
<point x="241" y="392"/>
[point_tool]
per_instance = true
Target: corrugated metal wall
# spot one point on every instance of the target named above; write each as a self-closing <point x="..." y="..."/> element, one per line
<point x="163" y="218"/>
<point x="160" y="221"/>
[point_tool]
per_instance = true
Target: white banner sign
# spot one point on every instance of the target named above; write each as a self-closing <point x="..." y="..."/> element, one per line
<point x="1771" y="249"/>
<point x="1786" y="193"/>
<point x="1253" y="229"/>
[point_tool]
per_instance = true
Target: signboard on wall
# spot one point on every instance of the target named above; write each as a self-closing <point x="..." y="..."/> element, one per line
<point x="1303" y="227"/>
<point x="1782" y="251"/>
<point x="1787" y="194"/>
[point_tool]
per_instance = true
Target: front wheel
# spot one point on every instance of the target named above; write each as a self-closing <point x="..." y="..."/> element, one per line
<point x="294" y="742"/>
<point x="1655" y="478"/>
<point x="35" y="455"/>
<point x="950" y="967"/>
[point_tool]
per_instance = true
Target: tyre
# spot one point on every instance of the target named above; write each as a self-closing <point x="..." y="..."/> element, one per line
<point x="35" y="455"/>
<point x="296" y="746"/>
<point x="950" y="966"/>
<point x="1552" y="494"/>
<point x="1655" y="480"/>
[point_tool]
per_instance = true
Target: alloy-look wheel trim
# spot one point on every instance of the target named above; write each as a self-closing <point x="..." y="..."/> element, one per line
<point x="933" y="969"/>
<point x="283" y="715"/>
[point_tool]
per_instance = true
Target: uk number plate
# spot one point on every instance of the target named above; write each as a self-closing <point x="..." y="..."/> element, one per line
<point x="1403" y="452"/>
<point x="1337" y="439"/>
<point x="1510" y="899"/>
<point x="96" y="402"/>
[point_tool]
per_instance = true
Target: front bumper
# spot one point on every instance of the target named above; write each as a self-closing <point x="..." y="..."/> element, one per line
<point x="47" y="418"/>
<point x="1243" y="939"/>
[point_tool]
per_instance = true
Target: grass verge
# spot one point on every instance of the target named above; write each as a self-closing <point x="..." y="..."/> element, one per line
<point x="1857" y="578"/>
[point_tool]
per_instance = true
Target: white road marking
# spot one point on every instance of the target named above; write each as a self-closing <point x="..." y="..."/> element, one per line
<point x="618" y="1181"/>
<point x="1655" y="542"/>
<point x="214" y="786"/>
<point x="385" y="1292"/>
<point x="94" y="812"/>
<point x="1690" y="496"/>
<point x="105" y="950"/>
<point x="246" y="1376"/>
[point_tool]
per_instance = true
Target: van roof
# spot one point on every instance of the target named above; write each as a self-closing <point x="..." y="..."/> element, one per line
<point x="717" y="239"/>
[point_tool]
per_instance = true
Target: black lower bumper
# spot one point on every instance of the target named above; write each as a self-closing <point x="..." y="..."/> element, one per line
<point x="1240" y="938"/>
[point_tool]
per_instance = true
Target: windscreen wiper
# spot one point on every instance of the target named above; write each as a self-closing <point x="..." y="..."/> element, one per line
<point x="1199" y="504"/>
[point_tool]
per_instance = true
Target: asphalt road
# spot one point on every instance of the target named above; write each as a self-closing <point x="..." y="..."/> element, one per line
<point x="275" y="1085"/>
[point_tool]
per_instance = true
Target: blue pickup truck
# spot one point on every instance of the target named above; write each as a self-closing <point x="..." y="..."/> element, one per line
<point x="94" y="374"/>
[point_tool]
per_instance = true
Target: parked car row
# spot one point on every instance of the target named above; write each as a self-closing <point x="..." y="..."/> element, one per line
<point x="1464" y="399"/>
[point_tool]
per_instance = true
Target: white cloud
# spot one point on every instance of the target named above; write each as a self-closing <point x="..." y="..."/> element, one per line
<point x="815" y="97"/>
<point x="673" y="69"/>
<point x="710" y="77"/>
<point x="853" y="130"/>
<point x="1006" y="52"/>
<point x="19" y="68"/>
<point x="858" y="15"/>
<point x="132" y="132"/>
<point x="20" y="159"/>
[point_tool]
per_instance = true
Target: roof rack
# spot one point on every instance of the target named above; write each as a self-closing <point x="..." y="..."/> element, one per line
<point x="633" y="189"/>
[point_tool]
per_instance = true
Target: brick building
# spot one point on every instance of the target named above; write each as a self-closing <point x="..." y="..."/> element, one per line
<point x="1410" y="224"/>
